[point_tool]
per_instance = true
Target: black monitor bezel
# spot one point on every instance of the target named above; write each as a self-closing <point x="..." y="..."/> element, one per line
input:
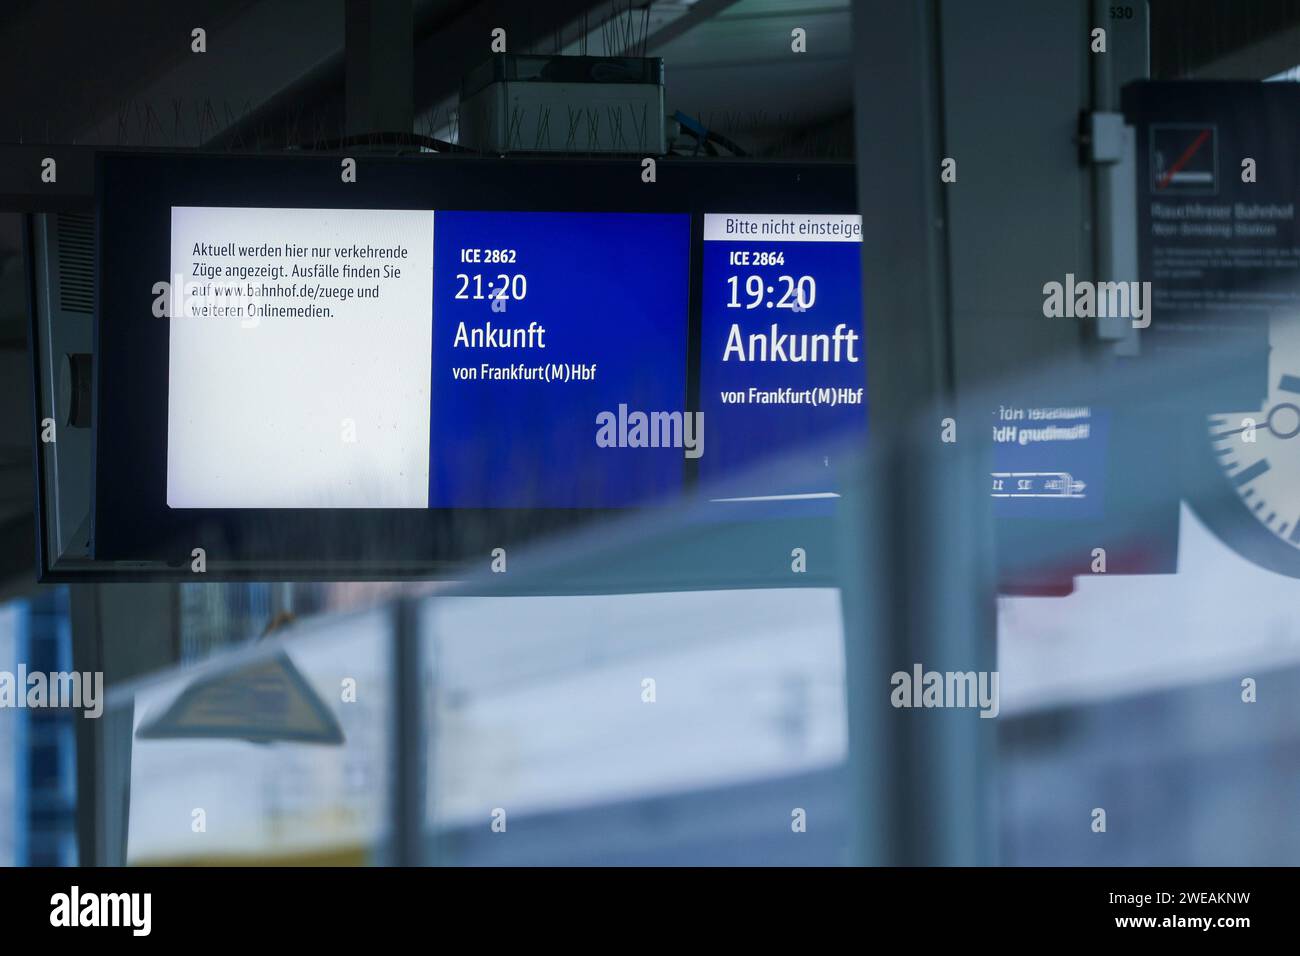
<point x="134" y="195"/>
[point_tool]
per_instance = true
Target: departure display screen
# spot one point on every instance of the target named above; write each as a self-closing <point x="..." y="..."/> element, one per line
<point x="415" y="360"/>
<point x="784" y="361"/>
<point x="357" y="358"/>
<point x="362" y="358"/>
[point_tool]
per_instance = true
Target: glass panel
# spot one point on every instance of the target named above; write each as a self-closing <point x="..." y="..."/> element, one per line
<point x="277" y="754"/>
<point x="40" y="705"/>
<point x="662" y="728"/>
<point x="1156" y="697"/>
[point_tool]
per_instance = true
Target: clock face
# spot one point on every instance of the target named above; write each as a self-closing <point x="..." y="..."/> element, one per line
<point x="1258" y="449"/>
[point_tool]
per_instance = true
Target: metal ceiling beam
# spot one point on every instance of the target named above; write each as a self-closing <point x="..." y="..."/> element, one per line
<point x="447" y="45"/>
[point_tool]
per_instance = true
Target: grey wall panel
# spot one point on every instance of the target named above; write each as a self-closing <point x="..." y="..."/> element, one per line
<point x="1015" y="78"/>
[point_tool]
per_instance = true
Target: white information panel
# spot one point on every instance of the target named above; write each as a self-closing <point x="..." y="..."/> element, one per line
<point x="300" y="354"/>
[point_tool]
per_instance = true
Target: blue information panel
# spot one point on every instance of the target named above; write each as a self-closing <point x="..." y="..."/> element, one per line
<point x="1049" y="461"/>
<point x="558" y="339"/>
<point x="783" y="355"/>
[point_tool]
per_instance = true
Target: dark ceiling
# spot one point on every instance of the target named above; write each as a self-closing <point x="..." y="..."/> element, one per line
<point x="1189" y="35"/>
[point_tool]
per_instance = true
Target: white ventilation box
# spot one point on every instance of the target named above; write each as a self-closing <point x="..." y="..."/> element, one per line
<point x="564" y="104"/>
